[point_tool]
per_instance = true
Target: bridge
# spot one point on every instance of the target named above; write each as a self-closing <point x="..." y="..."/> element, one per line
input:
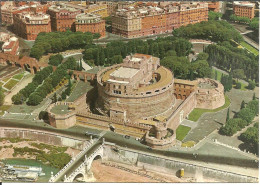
<point x="15" y="60"/>
<point x="35" y="66"/>
<point x="80" y="165"/>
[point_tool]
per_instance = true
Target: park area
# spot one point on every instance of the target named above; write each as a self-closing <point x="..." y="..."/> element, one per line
<point x="249" y="48"/>
<point x="181" y="132"/>
<point x="9" y="83"/>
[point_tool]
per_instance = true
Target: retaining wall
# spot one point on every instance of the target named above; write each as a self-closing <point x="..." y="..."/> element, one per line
<point x="42" y="136"/>
<point x="172" y="166"/>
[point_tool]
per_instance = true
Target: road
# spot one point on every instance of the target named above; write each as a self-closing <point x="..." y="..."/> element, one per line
<point x="242" y="30"/>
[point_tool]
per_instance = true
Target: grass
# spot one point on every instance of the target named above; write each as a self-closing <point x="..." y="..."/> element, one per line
<point x="6" y="79"/>
<point x="18" y="76"/>
<point x="249" y="48"/>
<point x="4" y="108"/>
<point x="181" y="132"/>
<point x="10" y="84"/>
<point x="188" y="144"/>
<point x="196" y="113"/>
<point x="1" y="83"/>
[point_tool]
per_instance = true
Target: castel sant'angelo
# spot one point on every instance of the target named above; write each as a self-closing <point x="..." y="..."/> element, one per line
<point x="141" y="98"/>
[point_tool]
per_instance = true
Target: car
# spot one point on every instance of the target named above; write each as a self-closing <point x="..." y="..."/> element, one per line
<point x="127" y="137"/>
<point x="149" y="148"/>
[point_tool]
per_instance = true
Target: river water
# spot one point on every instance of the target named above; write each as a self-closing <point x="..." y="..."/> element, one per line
<point x="30" y="162"/>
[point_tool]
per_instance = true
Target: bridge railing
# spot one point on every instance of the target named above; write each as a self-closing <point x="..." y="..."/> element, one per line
<point x="85" y="163"/>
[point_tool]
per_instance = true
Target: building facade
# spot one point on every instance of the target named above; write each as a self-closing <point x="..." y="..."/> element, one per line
<point x="244" y="9"/>
<point x="11" y="44"/>
<point x="214" y="6"/>
<point x="133" y="22"/>
<point x="29" y="25"/>
<point x="62" y="17"/>
<point x="192" y="13"/>
<point x="90" y="23"/>
<point x="8" y="11"/>
<point x="99" y="9"/>
<point x="137" y="89"/>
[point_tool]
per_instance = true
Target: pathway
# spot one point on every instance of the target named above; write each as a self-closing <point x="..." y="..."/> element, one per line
<point x="25" y="81"/>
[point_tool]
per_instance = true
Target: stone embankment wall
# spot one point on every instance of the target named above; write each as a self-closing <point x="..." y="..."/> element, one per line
<point x="173" y="166"/>
<point x="42" y="136"/>
<point x="210" y="98"/>
<point x="182" y="112"/>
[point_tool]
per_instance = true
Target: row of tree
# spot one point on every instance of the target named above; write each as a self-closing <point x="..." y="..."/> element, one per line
<point x="54" y="42"/>
<point x="24" y="93"/>
<point x="235" y="18"/>
<point x="251" y="138"/>
<point x="98" y="55"/>
<point x="43" y="83"/>
<point x="2" y="96"/>
<point x="242" y="119"/>
<point x="216" y="31"/>
<point x="184" y="69"/>
<point x="254" y="24"/>
<point x="230" y="58"/>
<point x="227" y="82"/>
<point x="52" y="81"/>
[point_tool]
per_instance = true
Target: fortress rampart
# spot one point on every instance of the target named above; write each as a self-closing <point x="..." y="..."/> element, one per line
<point x="210" y="98"/>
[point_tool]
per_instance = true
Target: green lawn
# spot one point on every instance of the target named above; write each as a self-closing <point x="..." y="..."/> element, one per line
<point x="10" y="84"/>
<point x="6" y="79"/>
<point x="196" y="113"/>
<point x="1" y="83"/>
<point x="249" y="48"/>
<point x="18" y="76"/>
<point x="4" y="108"/>
<point x="181" y="132"/>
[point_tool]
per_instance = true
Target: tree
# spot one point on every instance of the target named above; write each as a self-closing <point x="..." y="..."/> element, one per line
<point x="54" y="98"/>
<point x="251" y="85"/>
<point x="214" y="15"/>
<point x="254" y="98"/>
<point x="201" y="68"/>
<point x="253" y="105"/>
<point x="246" y="114"/>
<point x="242" y="104"/>
<point x="227" y="118"/>
<point x="216" y="75"/>
<point x="203" y="56"/>
<point x="238" y="85"/>
<point x="232" y="126"/>
<point x="238" y="74"/>
<point x="44" y="115"/>
<point x="2" y="96"/>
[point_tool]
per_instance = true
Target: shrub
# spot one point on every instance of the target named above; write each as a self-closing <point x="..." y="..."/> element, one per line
<point x="232" y="126"/>
<point x="238" y="85"/>
<point x="251" y="85"/>
<point x="253" y="106"/>
<point x="43" y="115"/>
<point x="246" y="114"/>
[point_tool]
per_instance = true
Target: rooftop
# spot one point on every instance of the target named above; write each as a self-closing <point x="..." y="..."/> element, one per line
<point x="124" y="72"/>
<point x="244" y="3"/>
<point x="60" y="109"/>
<point x="166" y="78"/>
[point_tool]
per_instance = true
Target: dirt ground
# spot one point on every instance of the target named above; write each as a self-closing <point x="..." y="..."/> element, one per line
<point x="104" y="173"/>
